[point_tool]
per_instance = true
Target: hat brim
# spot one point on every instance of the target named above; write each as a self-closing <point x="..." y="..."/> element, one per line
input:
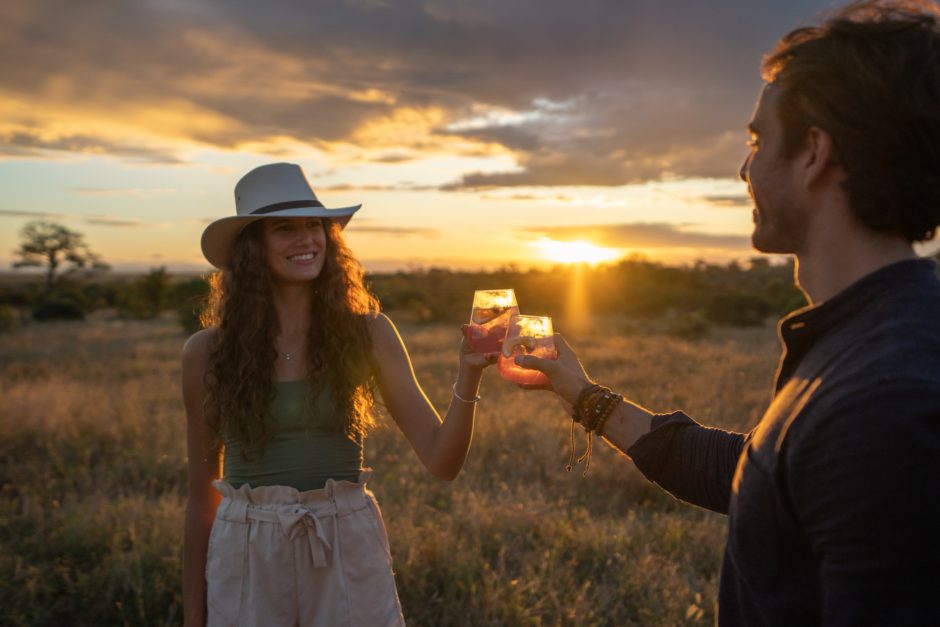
<point x="219" y="237"/>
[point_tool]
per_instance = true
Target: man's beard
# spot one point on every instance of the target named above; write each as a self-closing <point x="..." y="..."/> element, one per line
<point x="782" y="232"/>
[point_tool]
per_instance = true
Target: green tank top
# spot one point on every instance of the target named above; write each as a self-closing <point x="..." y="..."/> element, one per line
<point x="301" y="454"/>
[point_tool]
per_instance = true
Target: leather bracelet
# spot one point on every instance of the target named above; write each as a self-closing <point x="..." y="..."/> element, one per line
<point x="465" y="400"/>
<point x="608" y="412"/>
<point x="596" y="406"/>
<point x="582" y="395"/>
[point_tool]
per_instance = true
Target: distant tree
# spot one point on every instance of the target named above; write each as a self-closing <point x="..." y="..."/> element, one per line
<point x="154" y="289"/>
<point x="51" y="245"/>
<point x="738" y="308"/>
<point x="189" y="298"/>
<point x="147" y="296"/>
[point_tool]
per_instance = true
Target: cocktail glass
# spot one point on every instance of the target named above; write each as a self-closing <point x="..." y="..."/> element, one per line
<point x="489" y="319"/>
<point x="527" y="335"/>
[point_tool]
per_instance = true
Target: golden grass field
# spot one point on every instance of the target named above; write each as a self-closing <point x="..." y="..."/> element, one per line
<point x="93" y="484"/>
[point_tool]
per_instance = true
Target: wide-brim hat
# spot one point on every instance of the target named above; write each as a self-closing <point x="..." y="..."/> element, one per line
<point x="276" y="190"/>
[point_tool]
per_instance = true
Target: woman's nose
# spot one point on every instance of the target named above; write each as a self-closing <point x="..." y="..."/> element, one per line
<point x="304" y="235"/>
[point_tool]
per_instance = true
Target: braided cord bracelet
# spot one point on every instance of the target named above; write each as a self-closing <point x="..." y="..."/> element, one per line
<point x="593" y="406"/>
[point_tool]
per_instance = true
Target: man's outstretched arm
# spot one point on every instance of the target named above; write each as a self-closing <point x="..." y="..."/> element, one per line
<point x="692" y="462"/>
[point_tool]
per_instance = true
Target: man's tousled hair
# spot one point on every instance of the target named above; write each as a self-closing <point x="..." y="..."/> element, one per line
<point x="869" y="76"/>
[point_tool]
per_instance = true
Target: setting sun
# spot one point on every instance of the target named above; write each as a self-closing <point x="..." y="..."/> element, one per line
<point x="579" y="251"/>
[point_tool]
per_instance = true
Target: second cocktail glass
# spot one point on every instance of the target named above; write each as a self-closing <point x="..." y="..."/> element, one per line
<point x="527" y="335"/>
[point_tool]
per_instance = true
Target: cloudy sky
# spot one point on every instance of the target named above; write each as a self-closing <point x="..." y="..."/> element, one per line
<point x="475" y="133"/>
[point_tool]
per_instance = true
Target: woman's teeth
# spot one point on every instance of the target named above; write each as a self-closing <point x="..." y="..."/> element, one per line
<point x="303" y="257"/>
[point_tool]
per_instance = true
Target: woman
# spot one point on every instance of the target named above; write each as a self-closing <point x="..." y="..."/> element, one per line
<point x="277" y="391"/>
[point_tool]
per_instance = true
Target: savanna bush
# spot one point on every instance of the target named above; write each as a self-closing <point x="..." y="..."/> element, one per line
<point x="9" y="318"/>
<point x="58" y="306"/>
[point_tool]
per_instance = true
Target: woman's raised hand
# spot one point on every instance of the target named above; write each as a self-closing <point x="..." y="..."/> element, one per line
<point x="469" y="357"/>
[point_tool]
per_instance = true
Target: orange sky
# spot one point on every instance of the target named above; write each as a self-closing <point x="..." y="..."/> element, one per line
<point x="475" y="134"/>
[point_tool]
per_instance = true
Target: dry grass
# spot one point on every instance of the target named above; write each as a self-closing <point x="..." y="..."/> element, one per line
<point x="92" y="473"/>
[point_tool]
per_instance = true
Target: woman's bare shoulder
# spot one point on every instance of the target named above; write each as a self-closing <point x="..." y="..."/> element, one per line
<point x="196" y="348"/>
<point x="380" y="325"/>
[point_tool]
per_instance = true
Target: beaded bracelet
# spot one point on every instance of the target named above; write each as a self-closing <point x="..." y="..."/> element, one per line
<point x="577" y="414"/>
<point x="594" y="405"/>
<point x="579" y="402"/>
<point x="599" y="412"/>
<point x="597" y="406"/>
<point x="608" y="412"/>
<point x="607" y="406"/>
<point x="582" y="410"/>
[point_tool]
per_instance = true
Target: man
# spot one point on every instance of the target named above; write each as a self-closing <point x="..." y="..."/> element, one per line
<point x="834" y="498"/>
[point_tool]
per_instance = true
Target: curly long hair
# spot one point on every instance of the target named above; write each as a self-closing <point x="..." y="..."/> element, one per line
<point x="870" y="77"/>
<point x="240" y="374"/>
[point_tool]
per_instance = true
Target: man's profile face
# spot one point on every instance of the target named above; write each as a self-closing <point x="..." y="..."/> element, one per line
<point x="779" y="218"/>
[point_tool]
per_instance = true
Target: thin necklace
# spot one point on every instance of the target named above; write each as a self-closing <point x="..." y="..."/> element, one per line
<point x="288" y="355"/>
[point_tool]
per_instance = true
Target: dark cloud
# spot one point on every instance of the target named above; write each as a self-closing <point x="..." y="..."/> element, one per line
<point x="94" y="219"/>
<point x="394" y="158"/>
<point x="603" y="140"/>
<point x="610" y="92"/>
<point x="363" y="226"/>
<point x="735" y="201"/>
<point x="29" y="143"/>
<point x="313" y="120"/>
<point x="527" y="197"/>
<point x="37" y="215"/>
<point x="404" y="186"/>
<point x="641" y="235"/>
<point x="118" y="222"/>
<point x="115" y="191"/>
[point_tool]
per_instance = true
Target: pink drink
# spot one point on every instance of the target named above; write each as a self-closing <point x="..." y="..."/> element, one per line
<point x="488" y="337"/>
<point x="489" y="319"/>
<point x="527" y="335"/>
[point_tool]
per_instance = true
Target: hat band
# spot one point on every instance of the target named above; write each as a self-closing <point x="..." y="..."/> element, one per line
<point x="280" y="206"/>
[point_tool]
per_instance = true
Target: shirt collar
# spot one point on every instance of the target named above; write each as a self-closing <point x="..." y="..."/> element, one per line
<point x="804" y="327"/>
<point x="857" y="295"/>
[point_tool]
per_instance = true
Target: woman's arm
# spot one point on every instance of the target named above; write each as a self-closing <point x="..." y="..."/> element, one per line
<point x="203" y="464"/>
<point x="441" y="446"/>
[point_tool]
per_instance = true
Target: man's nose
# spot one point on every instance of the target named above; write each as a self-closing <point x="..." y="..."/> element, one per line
<point x="742" y="173"/>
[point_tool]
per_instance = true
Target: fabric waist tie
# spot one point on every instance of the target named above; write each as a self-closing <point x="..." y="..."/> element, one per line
<point x="297" y="519"/>
<point x="296" y="512"/>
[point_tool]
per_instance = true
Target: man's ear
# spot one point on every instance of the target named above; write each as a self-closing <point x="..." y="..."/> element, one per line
<point x="818" y="158"/>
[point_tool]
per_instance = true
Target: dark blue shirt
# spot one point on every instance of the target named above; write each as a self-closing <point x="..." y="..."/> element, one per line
<point x="834" y="498"/>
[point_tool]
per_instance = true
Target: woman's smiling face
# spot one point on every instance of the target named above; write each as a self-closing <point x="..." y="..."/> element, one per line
<point x="295" y="248"/>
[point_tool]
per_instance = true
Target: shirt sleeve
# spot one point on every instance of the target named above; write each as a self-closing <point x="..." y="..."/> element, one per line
<point x="692" y="462"/>
<point x="865" y="487"/>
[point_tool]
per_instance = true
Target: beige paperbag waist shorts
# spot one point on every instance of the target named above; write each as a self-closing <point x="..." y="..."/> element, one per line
<point x="281" y="557"/>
